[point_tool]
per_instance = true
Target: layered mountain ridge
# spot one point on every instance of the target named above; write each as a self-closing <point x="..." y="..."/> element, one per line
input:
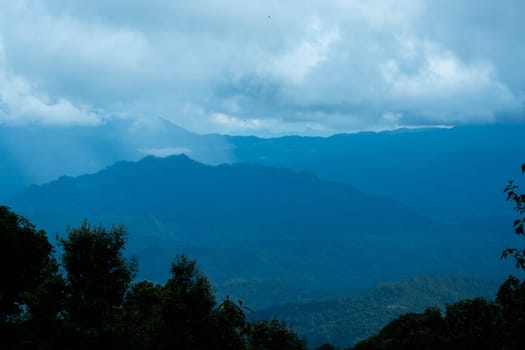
<point x="260" y="223"/>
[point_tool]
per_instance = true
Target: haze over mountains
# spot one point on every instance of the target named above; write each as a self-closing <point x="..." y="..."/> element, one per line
<point x="258" y="223"/>
<point x="302" y="155"/>
<point x="278" y="220"/>
<point x="454" y="175"/>
<point x="38" y="154"/>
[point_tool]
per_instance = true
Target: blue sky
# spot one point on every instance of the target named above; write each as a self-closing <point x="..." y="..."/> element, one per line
<point x="263" y="67"/>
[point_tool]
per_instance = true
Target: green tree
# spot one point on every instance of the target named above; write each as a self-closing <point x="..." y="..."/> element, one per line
<point x="230" y="325"/>
<point x="26" y="260"/>
<point x="187" y="302"/>
<point x="88" y="301"/>
<point x="31" y="291"/>
<point x="474" y="324"/>
<point x="410" y="331"/>
<point x="141" y="316"/>
<point x="511" y="295"/>
<point x="273" y="335"/>
<point x="97" y="278"/>
<point x="519" y="201"/>
<point x="183" y="314"/>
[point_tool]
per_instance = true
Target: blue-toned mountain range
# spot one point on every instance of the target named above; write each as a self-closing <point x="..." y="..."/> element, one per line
<point x="454" y="175"/>
<point x="255" y="223"/>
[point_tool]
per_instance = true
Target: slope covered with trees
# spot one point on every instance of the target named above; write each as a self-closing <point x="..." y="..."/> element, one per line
<point x="85" y="299"/>
<point x="346" y="320"/>
<point x="426" y="169"/>
<point x="450" y="174"/>
<point x="260" y="224"/>
<point x="471" y="323"/>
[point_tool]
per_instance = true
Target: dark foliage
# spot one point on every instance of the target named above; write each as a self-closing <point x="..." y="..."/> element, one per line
<point x="410" y="331"/>
<point x="25" y="262"/>
<point x="468" y="324"/>
<point x="345" y="320"/>
<point x="273" y="334"/>
<point x="31" y="288"/>
<point x="511" y="295"/>
<point x="230" y="216"/>
<point x="97" y="277"/>
<point x="89" y="300"/>
<point x="519" y="201"/>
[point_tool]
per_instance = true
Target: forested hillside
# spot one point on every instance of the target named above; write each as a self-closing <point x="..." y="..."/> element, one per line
<point x="258" y="223"/>
<point x="346" y="320"/>
<point x="450" y="174"/>
<point x="86" y="298"/>
<point x="447" y="174"/>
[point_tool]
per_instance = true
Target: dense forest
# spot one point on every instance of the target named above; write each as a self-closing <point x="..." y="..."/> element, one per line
<point x="259" y="175"/>
<point x="467" y="324"/>
<point x="82" y="294"/>
<point x="85" y="298"/>
<point x="350" y="318"/>
<point x="289" y="235"/>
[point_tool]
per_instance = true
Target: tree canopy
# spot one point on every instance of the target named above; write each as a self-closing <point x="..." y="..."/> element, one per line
<point x="468" y="324"/>
<point x="25" y="262"/>
<point x="88" y="298"/>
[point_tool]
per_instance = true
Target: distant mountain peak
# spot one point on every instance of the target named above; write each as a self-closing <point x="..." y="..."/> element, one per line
<point x="174" y="157"/>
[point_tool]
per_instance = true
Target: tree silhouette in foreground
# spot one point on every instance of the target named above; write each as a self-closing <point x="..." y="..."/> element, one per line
<point x="87" y="299"/>
<point x="30" y="288"/>
<point x="25" y="262"/>
<point x="519" y="201"/>
<point x="97" y="278"/>
<point x="468" y="324"/>
<point x="511" y="295"/>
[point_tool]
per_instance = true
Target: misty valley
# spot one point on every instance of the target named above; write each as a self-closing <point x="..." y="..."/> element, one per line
<point x="337" y="236"/>
<point x="262" y="175"/>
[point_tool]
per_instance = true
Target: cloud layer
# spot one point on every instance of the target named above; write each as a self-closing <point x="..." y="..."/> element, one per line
<point x="263" y="67"/>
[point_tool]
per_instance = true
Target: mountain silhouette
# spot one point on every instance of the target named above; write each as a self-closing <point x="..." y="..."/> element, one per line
<point x="258" y="222"/>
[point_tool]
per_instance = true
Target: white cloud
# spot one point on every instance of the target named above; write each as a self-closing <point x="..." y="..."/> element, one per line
<point x="292" y="66"/>
<point x="23" y="103"/>
<point x="266" y="127"/>
<point x="233" y="123"/>
<point x="440" y="73"/>
<point x="439" y="85"/>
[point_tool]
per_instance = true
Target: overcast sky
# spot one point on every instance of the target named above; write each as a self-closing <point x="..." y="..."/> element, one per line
<point x="263" y="66"/>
